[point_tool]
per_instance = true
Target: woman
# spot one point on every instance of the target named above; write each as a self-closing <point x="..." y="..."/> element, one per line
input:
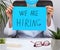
<point x="29" y="34"/>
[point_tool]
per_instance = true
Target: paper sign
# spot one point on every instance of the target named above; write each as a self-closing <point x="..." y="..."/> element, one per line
<point x="29" y="18"/>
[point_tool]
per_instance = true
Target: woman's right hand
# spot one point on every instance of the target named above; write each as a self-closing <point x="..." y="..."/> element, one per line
<point x="9" y="14"/>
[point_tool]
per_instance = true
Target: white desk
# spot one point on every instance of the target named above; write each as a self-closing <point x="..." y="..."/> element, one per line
<point x="25" y="44"/>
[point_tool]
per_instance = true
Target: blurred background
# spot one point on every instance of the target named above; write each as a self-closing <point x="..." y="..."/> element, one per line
<point x="3" y="19"/>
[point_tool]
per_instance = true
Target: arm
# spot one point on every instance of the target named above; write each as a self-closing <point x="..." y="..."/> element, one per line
<point x="50" y="24"/>
<point x="8" y="31"/>
<point x="50" y="11"/>
<point x="47" y="33"/>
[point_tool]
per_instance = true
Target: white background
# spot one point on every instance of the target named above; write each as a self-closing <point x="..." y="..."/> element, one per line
<point x="56" y="4"/>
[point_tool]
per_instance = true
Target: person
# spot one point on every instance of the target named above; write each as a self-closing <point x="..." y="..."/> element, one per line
<point x="27" y="33"/>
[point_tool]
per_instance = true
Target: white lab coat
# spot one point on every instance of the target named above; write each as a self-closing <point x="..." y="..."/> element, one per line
<point x="8" y="31"/>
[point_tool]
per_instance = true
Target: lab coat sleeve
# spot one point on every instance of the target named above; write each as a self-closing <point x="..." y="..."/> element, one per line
<point x="8" y="31"/>
<point x="51" y="27"/>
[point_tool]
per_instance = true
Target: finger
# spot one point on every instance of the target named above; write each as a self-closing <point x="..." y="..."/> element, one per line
<point x="8" y="13"/>
<point x="8" y="10"/>
<point x="49" y="7"/>
<point x="49" y="10"/>
<point x="11" y="6"/>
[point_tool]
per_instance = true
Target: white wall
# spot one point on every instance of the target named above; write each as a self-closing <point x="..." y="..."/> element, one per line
<point x="56" y="4"/>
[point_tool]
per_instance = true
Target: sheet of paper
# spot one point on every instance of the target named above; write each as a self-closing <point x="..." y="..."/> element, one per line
<point x="29" y="18"/>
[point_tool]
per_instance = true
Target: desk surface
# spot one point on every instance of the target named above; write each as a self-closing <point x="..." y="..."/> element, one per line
<point x="25" y="44"/>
